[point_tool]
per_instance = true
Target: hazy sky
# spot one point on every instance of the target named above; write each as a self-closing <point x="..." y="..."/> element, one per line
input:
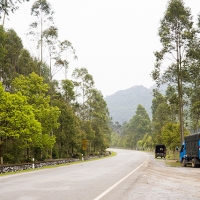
<point x="114" y="39"/>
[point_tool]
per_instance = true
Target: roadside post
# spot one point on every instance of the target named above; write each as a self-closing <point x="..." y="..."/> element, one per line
<point x="82" y="158"/>
<point x="33" y="164"/>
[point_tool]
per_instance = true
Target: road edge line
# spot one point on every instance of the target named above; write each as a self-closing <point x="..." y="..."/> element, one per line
<point x="113" y="186"/>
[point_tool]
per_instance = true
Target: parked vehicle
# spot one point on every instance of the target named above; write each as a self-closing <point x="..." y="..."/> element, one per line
<point x="160" y="150"/>
<point x="190" y="150"/>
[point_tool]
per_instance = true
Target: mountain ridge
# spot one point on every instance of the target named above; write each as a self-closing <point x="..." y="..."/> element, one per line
<point x="123" y="103"/>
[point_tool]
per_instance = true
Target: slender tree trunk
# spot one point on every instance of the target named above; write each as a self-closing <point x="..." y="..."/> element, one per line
<point x="181" y="113"/>
<point x="28" y="152"/>
<point x="1" y="155"/>
<point x="1" y="151"/>
<point x="180" y="89"/>
<point x="197" y="125"/>
<point x="90" y="147"/>
<point x="41" y="47"/>
<point x="4" y="16"/>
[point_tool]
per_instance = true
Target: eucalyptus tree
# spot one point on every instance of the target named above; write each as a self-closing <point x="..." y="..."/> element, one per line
<point x="90" y="133"/>
<point x="68" y="91"/>
<point x="114" y="139"/>
<point x="160" y="115"/>
<point x="194" y="78"/>
<point x="194" y="84"/>
<point x="194" y="93"/>
<point x="7" y="6"/>
<point x="171" y="96"/>
<point x="72" y="129"/>
<point x="99" y="119"/>
<point x="13" y="47"/>
<point x="47" y="38"/>
<point x="65" y="47"/>
<point x="84" y="84"/>
<point x="137" y="127"/>
<point x="175" y="33"/>
<point x="26" y="64"/>
<point x="14" y="59"/>
<point x="3" y="36"/>
<point x="43" y="28"/>
<point x="158" y="98"/>
<point x="69" y="135"/>
<point x="146" y="142"/>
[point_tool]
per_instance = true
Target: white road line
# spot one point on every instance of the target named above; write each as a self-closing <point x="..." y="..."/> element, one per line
<point x="113" y="186"/>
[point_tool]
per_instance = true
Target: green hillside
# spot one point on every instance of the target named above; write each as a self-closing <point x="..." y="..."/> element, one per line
<point x="123" y="104"/>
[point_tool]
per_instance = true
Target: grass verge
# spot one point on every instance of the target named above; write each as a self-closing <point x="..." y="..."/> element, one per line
<point x="172" y="163"/>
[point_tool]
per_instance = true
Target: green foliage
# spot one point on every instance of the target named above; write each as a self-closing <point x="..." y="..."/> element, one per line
<point x="99" y="117"/>
<point x="84" y="83"/>
<point x="146" y="142"/>
<point x="161" y="115"/>
<point x="68" y="88"/>
<point x="176" y="33"/>
<point x="17" y="122"/>
<point x="38" y="116"/>
<point x="114" y="139"/>
<point x="90" y="134"/>
<point x="138" y="126"/>
<point x="13" y="46"/>
<point x="15" y="111"/>
<point x="35" y="91"/>
<point x="170" y="135"/>
<point x="2" y="45"/>
<point x="26" y="64"/>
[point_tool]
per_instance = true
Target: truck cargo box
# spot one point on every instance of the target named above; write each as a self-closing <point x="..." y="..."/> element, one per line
<point x="192" y="145"/>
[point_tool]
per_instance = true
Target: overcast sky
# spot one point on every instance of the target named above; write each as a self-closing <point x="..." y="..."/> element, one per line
<point x="113" y="39"/>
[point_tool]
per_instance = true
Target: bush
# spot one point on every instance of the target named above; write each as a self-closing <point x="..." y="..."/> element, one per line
<point x="8" y="158"/>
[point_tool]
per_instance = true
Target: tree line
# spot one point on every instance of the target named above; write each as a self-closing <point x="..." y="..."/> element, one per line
<point x="41" y="117"/>
<point x="44" y="118"/>
<point x="177" y="112"/>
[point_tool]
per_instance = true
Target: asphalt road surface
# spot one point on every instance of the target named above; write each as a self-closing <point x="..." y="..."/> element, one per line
<point x="130" y="175"/>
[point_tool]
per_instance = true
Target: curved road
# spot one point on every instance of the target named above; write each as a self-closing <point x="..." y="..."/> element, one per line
<point x="109" y="178"/>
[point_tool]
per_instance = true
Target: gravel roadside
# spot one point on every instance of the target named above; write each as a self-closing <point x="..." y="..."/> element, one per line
<point x="160" y="181"/>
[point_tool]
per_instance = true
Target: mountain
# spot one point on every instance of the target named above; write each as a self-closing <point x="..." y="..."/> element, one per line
<point x="123" y="104"/>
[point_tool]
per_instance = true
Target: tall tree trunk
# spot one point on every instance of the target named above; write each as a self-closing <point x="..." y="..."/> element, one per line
<point x="41" y="46"/>
<point x="1" y="155"/>
<point x="197" y="125"/>
<point x="180" y="88"/>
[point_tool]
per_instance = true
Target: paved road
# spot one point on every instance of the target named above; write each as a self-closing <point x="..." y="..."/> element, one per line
<point x="108" y="178"/>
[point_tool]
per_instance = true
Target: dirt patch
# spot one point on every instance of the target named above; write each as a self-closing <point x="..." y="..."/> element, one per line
<point x="161" y="181"/>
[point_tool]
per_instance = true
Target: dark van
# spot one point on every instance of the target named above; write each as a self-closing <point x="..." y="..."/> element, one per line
<point x="160" y="150"/>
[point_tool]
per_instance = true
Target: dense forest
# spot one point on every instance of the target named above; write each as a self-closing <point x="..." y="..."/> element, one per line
<point x="41" y="117"/>
<point x="44" y="118"/>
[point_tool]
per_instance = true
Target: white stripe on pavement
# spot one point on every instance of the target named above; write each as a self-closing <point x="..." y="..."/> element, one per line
<point x="113" y="186"/>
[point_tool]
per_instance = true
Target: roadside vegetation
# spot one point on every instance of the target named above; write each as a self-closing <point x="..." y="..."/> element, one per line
<point x="175" y="111"/>
<point x="41" y="117"/>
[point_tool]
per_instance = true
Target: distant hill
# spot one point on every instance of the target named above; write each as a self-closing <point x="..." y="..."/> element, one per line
<point x="123" y="104"/>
